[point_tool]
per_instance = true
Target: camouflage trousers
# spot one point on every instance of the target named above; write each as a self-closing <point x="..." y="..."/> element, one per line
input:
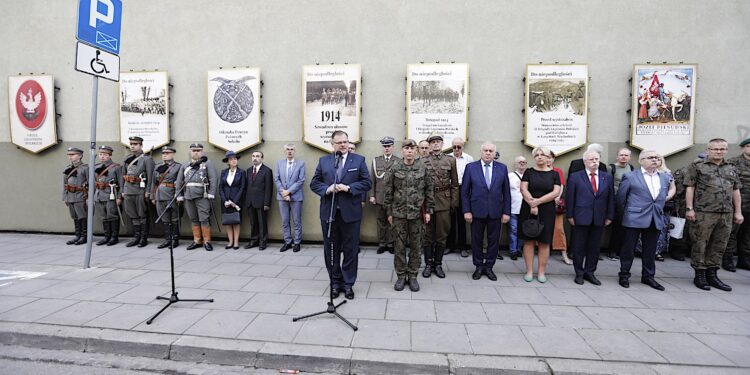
<point x="709" y="232"/>
<point x="407" y="232"/>
<point x="739" y="240"/>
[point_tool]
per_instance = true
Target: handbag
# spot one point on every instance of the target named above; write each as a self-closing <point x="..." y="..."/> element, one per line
<point x="560" y="207"/>
<point x="532" y="227"/>
<point x="676" y="227"/>
<point x="230" y="218"/>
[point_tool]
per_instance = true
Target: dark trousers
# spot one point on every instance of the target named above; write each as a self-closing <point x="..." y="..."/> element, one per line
<point x="478" y="227"/>
<point x="615" y="238"/>
<point x="344" y="241"/>
<point x="457" y="235"/>
<point x="585" y="244"/>
<point x="649" y="237"/>
<point x="259" y="221"/>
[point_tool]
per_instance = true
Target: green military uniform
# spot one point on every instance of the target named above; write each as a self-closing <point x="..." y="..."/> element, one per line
<point x="136" y="172"/>
<point x="380" y="166"/>
<point x="441" y="168"/>
<point x="167" y="176"/>
<point x="74" y="194"/>
<point x="408" y="189"/>
<point x="739" y="241"/>
<point x="108" y="180"/>
<point x="714" y="211"/>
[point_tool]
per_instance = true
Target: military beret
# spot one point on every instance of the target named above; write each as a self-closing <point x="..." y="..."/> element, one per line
<point x="196" y="146"/>
<point x="408" y="143"/>
<point x="106" y="149"/>
<point x="74" y="150"/>
<point x="702" y="155"/>
<point x="167" y="149"/>
<point x="136" y="138"/>
<point x="387" y="141"/>
<point x="745" y="142"/>
<point x="434" y="136"/>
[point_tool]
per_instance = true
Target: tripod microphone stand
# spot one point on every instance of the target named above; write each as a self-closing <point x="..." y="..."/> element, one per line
<point x="172" y="297"/>
<point x="331" y="308"/>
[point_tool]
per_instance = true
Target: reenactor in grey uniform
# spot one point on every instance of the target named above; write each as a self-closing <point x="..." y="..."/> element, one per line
<point x="75" y="182"/>
<point x="408" y="190"/>
<point x="137" y="172"/>
<point x="199" y="178"/>
<point x="739" y="241"/>
<point x="380" y="166"/>
<point x="712" y="200"/>
<point x="108" y="180"/>
<point x="441" y="168"/>
<point x="167" y="176"/>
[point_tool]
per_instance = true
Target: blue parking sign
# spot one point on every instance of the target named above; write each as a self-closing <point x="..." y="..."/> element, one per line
<point x="99" y="23"/>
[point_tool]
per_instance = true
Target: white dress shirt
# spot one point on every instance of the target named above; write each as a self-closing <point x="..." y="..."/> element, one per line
<point x="230" y="176"/>
<point x="461" y="162"/>
<point x="653" y="181"/>
<point x="596" y="178"/>
<point x="515" y="192"/>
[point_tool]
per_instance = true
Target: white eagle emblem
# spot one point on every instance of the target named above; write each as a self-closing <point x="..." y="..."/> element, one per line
<point x="28" y="103"/>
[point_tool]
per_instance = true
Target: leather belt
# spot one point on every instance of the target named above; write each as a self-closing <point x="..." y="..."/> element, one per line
<point x="131" y="179"/>
<point x="194" y="184"/>
<point x="167" y="184"/>
<point x="102" y="185"/>
<point x="74" y="188"/>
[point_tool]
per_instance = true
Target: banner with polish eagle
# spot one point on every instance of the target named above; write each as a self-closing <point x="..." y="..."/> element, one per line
<point x="31" y="104"/>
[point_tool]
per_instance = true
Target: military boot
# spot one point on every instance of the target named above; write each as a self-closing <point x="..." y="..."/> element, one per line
<point x="727" y="263"/>
<point x="77" y="224"/>
<point x="700" y="280"/>
<point x="82" y="240"/>
<point x="413" y="284"/>
<point x="743" y="263"/>
<point x="107" y="233"/>
<point x="136" y="236"/>
<point x="115" y="232"/>
<point x="713" y="280"/>
<point x="438" y="262"/>
<point x="167" y="239"/>
<point x="400" y="284"/>
<point x="427" y="268"/>
<point x="175" y="235"/>
<point x="144" y="235"/>
<point x="196" y="238"/>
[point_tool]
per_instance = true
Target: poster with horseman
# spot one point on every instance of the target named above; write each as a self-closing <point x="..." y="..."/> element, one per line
<point x="31" y="109"/>
<point x="437" y="100"/>
<point x="144" y="108"/>
<point x="663" y="107"/>
<point x="556" y="108"/>
<point x="233" y="108"/>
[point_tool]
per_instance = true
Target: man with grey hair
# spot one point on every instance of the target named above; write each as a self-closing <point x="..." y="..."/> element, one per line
<point x="514" y="243"/>
<point x="457" y="234"/>
<point x="578" y="164"/>
<point x="290" y="180"/>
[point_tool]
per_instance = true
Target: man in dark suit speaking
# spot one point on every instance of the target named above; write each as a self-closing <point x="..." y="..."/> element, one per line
<point x="340" y="179"/>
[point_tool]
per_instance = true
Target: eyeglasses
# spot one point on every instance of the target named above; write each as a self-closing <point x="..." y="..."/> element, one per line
<point x="424" y="148"/>
<point x="718" y="149"/>
<point x="195" y="150"/>
<point x="458" y="147"/>
<point x="651" y="158"/>
<point x="521" y="162"/>
<point x="341" y="143"/>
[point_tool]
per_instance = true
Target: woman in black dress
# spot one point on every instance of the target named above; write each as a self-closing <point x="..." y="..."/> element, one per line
<point x="540" y="186"/>
<point x="231" y="190"/>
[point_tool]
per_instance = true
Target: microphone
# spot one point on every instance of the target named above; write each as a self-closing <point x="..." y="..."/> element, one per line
<point x="338" y="155"/>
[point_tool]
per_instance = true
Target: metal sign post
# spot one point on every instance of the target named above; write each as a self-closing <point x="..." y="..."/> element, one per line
<point x="92" y="187"/>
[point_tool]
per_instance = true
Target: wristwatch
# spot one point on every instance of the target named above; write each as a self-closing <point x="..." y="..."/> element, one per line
<point x="688" y="208"/>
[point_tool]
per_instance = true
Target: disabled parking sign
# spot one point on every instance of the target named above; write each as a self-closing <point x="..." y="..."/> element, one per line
<point x="99" y="24"/>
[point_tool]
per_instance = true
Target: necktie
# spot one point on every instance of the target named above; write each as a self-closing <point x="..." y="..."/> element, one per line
<point x="487" y="175"/>
<point x="593" y="181"/>
<point x="341" y="168"/>
<point x="288" y="170"/>
<point x="255" y="171"/>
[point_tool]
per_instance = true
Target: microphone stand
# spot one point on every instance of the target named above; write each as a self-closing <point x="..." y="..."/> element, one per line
<point x="331" y="307"/>
<point x="172" y="297"/>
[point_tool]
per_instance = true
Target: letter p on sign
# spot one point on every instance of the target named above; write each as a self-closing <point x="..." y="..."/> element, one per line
<point x="106" y="17"/>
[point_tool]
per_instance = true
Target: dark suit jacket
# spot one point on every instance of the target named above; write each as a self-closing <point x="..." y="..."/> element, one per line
<point x="259" y="190"/>
<point x="355" y="175"/>
<point x="236" y="191"/>
<point x="483" y="202"/>
<point x="586" y="207"/>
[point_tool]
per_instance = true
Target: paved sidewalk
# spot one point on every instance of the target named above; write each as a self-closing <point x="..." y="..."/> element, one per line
<point x="454" y="324"/>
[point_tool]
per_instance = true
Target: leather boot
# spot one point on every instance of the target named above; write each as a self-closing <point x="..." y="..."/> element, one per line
<point x="438" y="262"/>
<point x="206" y="231"/>
<point x="743" y="263"/>
<point x="136" y="236"/>
<point x="727" y="263"/>
<point x="167" y="238"/>
<point x="77" y="224"/>
<point x="107" y="225"/>
<point x="114" y="227"/>
<point x="82" y="240"/>
<point x="700" y="280"/>
<point x="144" y="235"/>
<point x="400" y="284"/>
<point x="427" y="269"/>
<point x="714" y="281"/>
<point x="175" y="235"/>
<point x="196" y="238"/>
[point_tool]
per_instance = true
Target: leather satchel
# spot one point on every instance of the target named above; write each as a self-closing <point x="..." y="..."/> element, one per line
<point x="532" y="227"/>
<point x="230" y="218"/>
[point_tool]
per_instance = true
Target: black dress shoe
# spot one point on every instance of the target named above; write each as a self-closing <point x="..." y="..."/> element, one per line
<point x="335" y="293"/>
<point x="193" y="245"/>
<point x="624" y="282"/>
<point x="439" y="272"/>
<point x="251" y="244"/>
<point x="236" y="248"/>
<point x="391" y="249"/>
<point x="490" y="275"/>
<point x="465" y="253"/>
<point x="513" y="256"/>
<point x="592" y="279"/>
<point x="652" y="283"/>
<point x="262" y="245"/>
<point x="225" y="247"/>
<point x="286" y="247"/>
<point x="578" y="280"/>
<point x="381" y="249"/>
<point x="477" y="274"/>
<point x="349" y="293"/>
<point x="499" y="257"/>
<point x="296" y="248"/>
<point x="208" y="246"/>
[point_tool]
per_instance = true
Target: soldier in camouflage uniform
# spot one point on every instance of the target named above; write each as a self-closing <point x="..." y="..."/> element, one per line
<point x="75" y="181"/>
<point x="108" y="180"/>
<point x="712" y="201"/>
<point x="167" y="176"/>
<point x="408" y="191"/>
<point x="380" y="166"/>
<point x="136" y="172"/>
<point x="201" y="182"/>
<point x="441" y="168"/>
<point x="739" y="241"/>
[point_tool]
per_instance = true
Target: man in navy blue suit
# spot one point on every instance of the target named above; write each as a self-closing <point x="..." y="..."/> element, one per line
<point x="485" y="197"/>
<point x="590" y="199"/>
<point x="640" y="198"/>
<point x="344" y="174"/>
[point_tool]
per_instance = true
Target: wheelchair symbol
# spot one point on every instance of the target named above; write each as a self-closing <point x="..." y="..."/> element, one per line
<point x="102" y="68"/>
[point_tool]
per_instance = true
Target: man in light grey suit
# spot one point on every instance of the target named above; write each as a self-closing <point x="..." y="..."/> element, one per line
<point x="289" y="180"/>
<point x="641" y="199"/>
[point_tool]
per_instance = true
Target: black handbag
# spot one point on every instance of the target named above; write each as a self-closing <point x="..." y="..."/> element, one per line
<point x="230" y="218"/>
<point x="532" y="227"/>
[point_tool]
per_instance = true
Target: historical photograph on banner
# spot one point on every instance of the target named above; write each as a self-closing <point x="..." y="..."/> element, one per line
<point x="31" y="109"/>
<point x="437" y="100"/>
<point x="556" y="106"/>
<point x="234" y="108"/>
<point x="331" y="101"/>
<point x="663" y="109"/>
<point x="144" y="108"/>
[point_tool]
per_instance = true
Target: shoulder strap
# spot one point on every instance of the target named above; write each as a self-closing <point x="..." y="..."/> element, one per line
<point x="113" y="165"/>
<point x="135" y="160"/>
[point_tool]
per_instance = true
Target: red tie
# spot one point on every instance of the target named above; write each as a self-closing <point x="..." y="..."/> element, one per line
<point x="593" y="181"/>
<point x="255" y="172"/>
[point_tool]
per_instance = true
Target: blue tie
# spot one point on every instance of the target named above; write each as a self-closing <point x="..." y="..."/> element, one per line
<point x="487" y="175"/>
<point x="338" y="171"/>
